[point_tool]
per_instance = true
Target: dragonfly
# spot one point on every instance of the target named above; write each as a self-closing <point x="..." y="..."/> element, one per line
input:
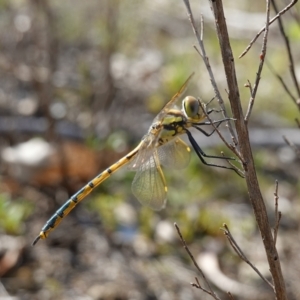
<point x="160" y="147"/>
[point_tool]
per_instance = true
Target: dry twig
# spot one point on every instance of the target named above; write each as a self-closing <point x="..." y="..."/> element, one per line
<point x="292" y="145"/>
<point x="285" y="87"/>
<point x="255" y="195"/>
<point x="261" y="64"/>
<point x="277" y="213"/>
<point x="293" y="2"/>
<point x="290" y="56"/>
<point x="248" y="85"/>
<point x="241" y="254"/>
<point x="197" y="284"/>
<point x="244" y="143"/>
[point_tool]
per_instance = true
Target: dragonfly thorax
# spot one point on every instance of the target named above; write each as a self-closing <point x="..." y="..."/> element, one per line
<point x="170" y="126"/>
<point x="193" y="109"/>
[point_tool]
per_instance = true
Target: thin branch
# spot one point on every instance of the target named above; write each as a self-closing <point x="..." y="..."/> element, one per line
<point x="261" y="64"/>
<point x="295" y="15"/>
<point x="277" y="213"/>
<point x="201" y="29"/>
<point x="264" y="28"/>
<point x="205" y="59"/>
<point x="244" y="144"/>
<point x="292" y="145"/>
<point x="248" y="85"/>
<point x="210" y="291"/>
<point x="240" y="253"/>
<point x="285" y="87"/>
<point x="254" y="192"/>
<point x="198" y="286"/>
<point x="288" y="48"/>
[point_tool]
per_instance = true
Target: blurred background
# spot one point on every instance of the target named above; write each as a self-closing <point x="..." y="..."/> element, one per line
<point x="80" y="83"/>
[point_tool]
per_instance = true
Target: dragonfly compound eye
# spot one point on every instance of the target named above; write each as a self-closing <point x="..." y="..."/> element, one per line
<point x="191" y="107"/>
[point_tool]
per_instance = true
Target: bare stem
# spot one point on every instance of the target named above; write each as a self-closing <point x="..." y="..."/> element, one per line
<point x="210" y="291"/>
<point x="261" y="64"/>
<point x="277" y="213"/>
<point x="255" y="195"/>
<point x="292" y="145"/>
<point x="289" y="52"/>
<point x="264" y="28"/>
<point x="198" y="286"/>
<point x="285" y="87"/>
<point x="241" y="254"/>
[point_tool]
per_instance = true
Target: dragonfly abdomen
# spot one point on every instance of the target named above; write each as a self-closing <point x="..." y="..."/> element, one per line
<point x="65" y="209"/>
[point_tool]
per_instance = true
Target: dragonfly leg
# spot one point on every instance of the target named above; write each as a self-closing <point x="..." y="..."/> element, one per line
<point x="213" y="110"/>
<point x="209" y="123"/>
<point x="201" y="154"/>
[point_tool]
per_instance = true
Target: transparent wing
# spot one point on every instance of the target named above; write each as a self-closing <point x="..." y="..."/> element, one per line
<point x="145" y="152"/>
<point x="175" y="154"/>
<point x="170" y="104"/>
<point x="149" y="185"/>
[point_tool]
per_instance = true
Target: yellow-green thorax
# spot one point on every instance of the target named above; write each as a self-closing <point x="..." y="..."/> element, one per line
<point x="175" y="121"/>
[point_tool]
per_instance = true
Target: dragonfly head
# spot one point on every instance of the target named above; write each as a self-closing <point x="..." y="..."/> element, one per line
<point x="193" y="109"/>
